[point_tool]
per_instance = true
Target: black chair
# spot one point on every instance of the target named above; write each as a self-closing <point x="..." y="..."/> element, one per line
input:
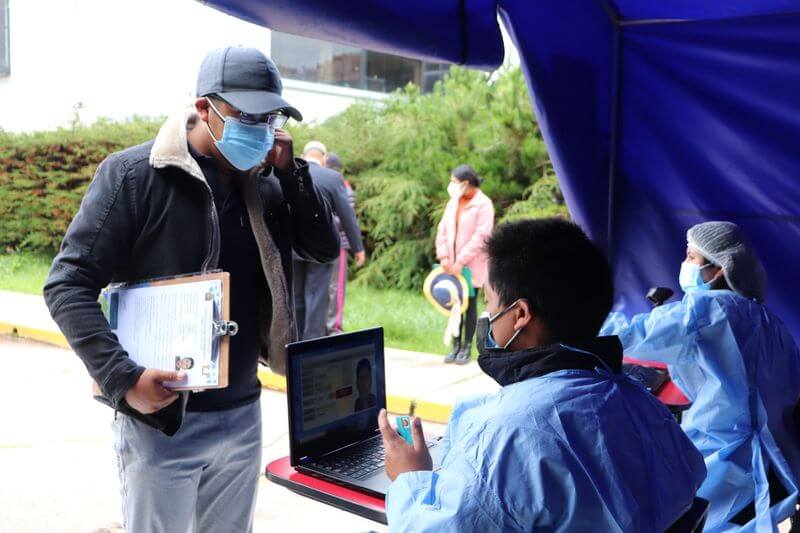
<point x="692" y="520"/>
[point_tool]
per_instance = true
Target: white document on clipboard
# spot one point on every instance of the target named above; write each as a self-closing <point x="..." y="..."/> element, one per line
<point x="174" y="324"/>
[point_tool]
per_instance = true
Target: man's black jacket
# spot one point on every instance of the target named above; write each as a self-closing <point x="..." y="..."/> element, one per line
<point x="150" y="213"/>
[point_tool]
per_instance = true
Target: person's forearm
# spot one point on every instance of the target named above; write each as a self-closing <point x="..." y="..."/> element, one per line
<point x="470" y="250"/>
<point x="347" y="218"/>
<point x="441" y="249"/>
<point x="296" y="184"/>
<point x="467" y="253"/>
<point x="664" y="334"/>
<point x="96" y="245"/>
<point x="355" y="240"/>
<point x="414" y="503"/>
<point x="76" y="311"/>
<point x="313" y="232"/>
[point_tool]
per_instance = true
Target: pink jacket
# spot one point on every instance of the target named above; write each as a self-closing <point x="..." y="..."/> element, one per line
<point x="474" y="226"/>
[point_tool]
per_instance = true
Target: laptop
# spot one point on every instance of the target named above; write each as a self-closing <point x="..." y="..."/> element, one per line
<point x="336" y="387"/>
<point x="652" y="378"/>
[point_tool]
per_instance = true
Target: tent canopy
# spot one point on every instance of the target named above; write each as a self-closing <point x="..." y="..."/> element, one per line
<point x="657" y="114"/>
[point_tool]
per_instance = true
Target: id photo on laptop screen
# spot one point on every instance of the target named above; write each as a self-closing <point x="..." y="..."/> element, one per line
<point x="365" y="385"/>
<point x="337" y="385"/>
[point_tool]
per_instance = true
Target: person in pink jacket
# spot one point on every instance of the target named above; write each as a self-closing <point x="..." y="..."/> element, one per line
<point x="466" y="223"/>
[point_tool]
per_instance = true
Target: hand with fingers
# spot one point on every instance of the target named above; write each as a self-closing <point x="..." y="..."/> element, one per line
<point x="149" y="394"/>
<point x="282" y="154"/>
<point x="402" y="457"/>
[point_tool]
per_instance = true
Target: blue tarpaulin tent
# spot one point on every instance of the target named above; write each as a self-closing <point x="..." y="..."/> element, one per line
<point x="658" y="114"/>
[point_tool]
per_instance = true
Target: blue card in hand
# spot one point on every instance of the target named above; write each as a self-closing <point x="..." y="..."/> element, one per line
<point x="404" y="428"/>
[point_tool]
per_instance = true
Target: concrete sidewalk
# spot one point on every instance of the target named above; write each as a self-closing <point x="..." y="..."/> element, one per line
<point x="417" y="383"/>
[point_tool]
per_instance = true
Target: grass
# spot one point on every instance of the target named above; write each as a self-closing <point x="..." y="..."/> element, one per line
<point x="408" y="320"/>
<point x="24" y="272"/>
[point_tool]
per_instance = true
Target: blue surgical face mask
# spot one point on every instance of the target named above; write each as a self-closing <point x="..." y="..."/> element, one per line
<point x="244" y="145"/>
<point x="691" y="277"/>
<point x="485" y="338"/>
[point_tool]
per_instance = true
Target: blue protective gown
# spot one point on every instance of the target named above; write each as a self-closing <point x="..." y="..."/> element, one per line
<point x="573" y="450"/>
<point x="740" y="367"/>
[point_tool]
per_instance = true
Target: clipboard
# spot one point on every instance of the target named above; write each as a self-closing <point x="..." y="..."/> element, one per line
<point x="177" y="322"/>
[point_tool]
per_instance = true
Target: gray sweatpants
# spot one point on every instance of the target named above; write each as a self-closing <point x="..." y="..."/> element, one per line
<point x="310" y="286"/>
<point x="203" y="479"/>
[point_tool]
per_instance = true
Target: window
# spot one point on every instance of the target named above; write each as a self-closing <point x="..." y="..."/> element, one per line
<point x="301" y="58"/>
<point x="5" y="56"/>
<point x="431" y="73"/>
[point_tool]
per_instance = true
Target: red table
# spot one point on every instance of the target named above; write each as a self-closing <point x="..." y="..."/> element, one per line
<point x="669" y="394"/>
<point x="358" y="503"/>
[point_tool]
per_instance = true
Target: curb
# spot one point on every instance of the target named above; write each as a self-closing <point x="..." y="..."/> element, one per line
<point x="429" y="411"/>
<point x="41" y="335"/>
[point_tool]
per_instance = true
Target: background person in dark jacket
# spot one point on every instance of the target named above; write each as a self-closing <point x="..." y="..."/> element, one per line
<point x="311" y="280"/>
<point x="334" y="323"/>
<point x="229" y="195"/>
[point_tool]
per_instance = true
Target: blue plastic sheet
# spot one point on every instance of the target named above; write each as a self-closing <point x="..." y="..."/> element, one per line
<point x="454" y="31"/>
<point x="657" y="114"/>
<point x="710" y="119"/>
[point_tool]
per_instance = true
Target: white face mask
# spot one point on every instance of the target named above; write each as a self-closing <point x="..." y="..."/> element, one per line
<point x="455" y="190"/>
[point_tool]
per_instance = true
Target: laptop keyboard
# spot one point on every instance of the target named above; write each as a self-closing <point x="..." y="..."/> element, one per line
<point x="357" y="462"/>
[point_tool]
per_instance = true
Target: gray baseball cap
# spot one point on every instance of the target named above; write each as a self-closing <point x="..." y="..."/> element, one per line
<point x="246" y="79"/>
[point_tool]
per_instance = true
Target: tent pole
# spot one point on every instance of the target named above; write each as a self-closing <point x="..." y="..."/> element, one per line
<point x="613" y="149"/>
<point x="462" y="15"/>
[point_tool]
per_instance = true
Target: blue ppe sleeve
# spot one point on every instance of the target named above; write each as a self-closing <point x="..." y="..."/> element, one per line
<point x="668" y="333"/>
<point x="452" y="499"/>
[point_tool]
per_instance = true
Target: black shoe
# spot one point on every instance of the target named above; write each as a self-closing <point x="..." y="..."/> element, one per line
<point x="464" y="355"/>
<point x="449" y="358"/>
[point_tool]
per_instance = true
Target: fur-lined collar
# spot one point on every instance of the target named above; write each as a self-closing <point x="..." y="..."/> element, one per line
<point x="170" y="147"/>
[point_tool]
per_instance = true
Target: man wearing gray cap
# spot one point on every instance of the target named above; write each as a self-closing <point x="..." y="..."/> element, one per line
<point x="219" y="188"/>
<point x="739" y="366"/>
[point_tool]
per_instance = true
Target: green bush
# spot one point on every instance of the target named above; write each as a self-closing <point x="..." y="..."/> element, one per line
<point x="542" y="199"/>
<point x="44" y="175"/>
<point x="397" y="153"/>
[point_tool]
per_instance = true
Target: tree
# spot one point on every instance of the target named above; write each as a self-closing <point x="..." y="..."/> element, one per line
<point x="398" y="155"/>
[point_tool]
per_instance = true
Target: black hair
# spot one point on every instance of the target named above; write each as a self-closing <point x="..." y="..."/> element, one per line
<point x="719" y="284"/>
<point x="467" y="173"/>
<point x="553" y="265"/>
<point x="364" y="363"/>
<point x="332" y="161"/>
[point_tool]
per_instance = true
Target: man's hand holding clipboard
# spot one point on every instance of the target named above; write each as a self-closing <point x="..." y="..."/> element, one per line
<point x="150" y="393"/>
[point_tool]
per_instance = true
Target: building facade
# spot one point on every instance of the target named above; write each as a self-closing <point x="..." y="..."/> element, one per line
<point x="63" y="61"/>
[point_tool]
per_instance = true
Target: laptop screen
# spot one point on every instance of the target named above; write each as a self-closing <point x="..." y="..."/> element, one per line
<point x="335" y="388"/>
